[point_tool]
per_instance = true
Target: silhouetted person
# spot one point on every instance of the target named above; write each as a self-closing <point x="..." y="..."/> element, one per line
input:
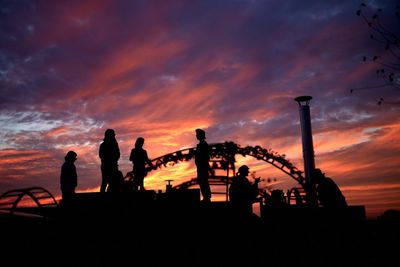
<point x="267" y="198"/>
<point x="109" y="154"/>
<point x="328" y="193"/>
<point x="68" y="177"/>
<point x="277" y="198"/>
<point x="139" y="159"/>
<point x="202" y="158"/>
<point x="298" y="198"/>
<point x="242" y="193"/>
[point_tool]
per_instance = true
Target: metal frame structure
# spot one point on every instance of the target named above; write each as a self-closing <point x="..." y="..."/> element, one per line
<point x="223" y="157"/>
<point x="10" y="200"/>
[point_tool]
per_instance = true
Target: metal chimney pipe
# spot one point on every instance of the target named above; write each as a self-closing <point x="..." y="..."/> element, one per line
<point x="308" y="147"/>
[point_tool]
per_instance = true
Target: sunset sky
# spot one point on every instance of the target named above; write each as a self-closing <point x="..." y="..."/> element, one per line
<point x="160" y="69"/>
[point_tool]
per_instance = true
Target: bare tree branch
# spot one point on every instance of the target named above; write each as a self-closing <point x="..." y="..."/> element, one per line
<point x="389" y="72"/>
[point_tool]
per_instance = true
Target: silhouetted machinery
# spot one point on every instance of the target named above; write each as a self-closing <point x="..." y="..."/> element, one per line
<point x="222" y="165"/>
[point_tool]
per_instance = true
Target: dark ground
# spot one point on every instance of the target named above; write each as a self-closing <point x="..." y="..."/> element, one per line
<point x="104" y="231"/>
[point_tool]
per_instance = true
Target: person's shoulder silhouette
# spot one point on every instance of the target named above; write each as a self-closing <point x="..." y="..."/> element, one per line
<point x="109" y="149"/>
<point x="109" y="154"/>
<point x="68" y="176"/>
<point x="328" y="192"/>
<point x="139" y="159"/>
<point x="241" y="190"/>
<point x="202" y="159"/>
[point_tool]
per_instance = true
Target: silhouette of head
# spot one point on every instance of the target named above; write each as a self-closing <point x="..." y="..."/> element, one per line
<point x="318" y="174"/>
<point x="243" y="170"/>
<point x="109" y="134"/>
<point x="70" y="156"/>
<point x="139" y="142"/>
<point x="200" y="134"/>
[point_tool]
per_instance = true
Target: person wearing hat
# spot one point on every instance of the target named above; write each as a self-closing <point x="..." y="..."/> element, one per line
<point x="68" y="177"/>
<point x="328" y="193"/>
<point x="109" y="154"/>
<point x="242" y="193"/>
<point x="202" y="159"/>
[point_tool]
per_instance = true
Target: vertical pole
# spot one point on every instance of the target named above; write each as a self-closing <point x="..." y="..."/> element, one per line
<point x="308" y="147"/>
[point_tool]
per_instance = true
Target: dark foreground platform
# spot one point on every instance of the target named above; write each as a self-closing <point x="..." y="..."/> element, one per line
<point x="147" y="229"/>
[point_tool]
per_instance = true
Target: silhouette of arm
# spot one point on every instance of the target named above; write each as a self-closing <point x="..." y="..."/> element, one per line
<point x="148" y="161"/>
<point x="118" y="153"/>
<point x="254" y="189"/>
<point x="74" y="176"/>
<point x="101" y="152"/>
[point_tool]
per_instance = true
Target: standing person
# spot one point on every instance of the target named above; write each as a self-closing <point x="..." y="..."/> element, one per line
<point x="109" y="154"/>
<point x="139" y="159"/>
<point x="328" y="193"/>
<point x="202" y="158"/>
<point x="242" y="193"/>
<point x="68" y="177"/>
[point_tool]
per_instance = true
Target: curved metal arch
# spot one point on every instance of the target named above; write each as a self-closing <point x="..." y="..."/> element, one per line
<point x="186" y="185"/>
<point x="35" y="193"/>
<point x="213" y="180"/>
<point x="227" y="151"/>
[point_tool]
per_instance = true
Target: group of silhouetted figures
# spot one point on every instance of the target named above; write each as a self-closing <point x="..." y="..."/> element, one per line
<point x="327" y="194"/>
<point x="112" y="179"/>
<point x="109" y="153"/>
<point x="242" y="193"/>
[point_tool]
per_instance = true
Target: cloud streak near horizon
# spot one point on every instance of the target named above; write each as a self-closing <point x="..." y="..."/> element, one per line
<point x="160" y="69"/>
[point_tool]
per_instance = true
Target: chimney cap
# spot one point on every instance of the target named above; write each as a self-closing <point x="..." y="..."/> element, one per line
<point x="303" y="98"/>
